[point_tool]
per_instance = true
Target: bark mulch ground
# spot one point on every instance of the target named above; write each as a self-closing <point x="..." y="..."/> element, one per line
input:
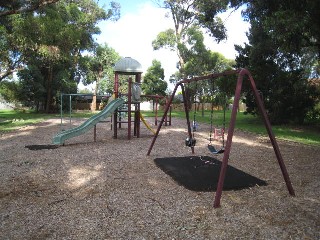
<point x="110" y="189"/>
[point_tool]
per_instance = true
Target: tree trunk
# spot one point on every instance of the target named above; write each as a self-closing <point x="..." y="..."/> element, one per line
<point x="94" y="98"/>
<point x="49" y="89"/>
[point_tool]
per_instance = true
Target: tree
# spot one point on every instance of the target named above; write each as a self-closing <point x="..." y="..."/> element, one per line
<point x="186" y="14"/>
<point x="9" y="90"/>
<point x="100" y="67"/>
<point x="283" y="53"/>
<point x="201" y="61"/>
<point x="153" y="81"/>
<point x="16" y="39"/>
<point x="61" y="32"/>
<point x="9" y="7"/>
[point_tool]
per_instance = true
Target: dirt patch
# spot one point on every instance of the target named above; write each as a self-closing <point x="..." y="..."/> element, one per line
<point x="110" y="189"/>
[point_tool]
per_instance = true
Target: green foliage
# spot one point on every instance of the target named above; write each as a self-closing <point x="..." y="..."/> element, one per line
<point x="48" y="57"/>
<point x="165" y="39"/>
<point x="188" y="16"/>
<point x="9" y="90"/>
<point x="153" y="81"/>
<point x="201" y="61"/>
<point x="283" y="54"/>
<point x="99" y="68"/>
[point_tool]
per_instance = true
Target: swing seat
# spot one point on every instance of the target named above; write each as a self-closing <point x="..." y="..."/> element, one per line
<point x="190" y="142"/>
<point x="215" y="151"/>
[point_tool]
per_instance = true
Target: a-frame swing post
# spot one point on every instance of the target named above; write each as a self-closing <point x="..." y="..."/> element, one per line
<point x="270" y="133"/>
<point x="227" y="149"/>
<point x="163" y="118"/>
<point x="231" y="131"/>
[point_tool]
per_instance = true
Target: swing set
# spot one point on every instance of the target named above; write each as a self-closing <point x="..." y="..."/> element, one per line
<point x="214" y="134"/>
<point x="226" y="148"/>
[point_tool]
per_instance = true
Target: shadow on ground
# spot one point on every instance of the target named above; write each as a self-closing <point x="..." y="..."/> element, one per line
<point x="201" y="173"/>
<point x="41" y="147"/>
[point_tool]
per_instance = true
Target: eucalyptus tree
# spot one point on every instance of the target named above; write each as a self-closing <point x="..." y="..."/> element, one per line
<point x="9" y="7"/>
<point x="185" y="15"/>
<point x="50" y="53"/>
<point x="200" y="61"/>
<point x="98" y="68"/>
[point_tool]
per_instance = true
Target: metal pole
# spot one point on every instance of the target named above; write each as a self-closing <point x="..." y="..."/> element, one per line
<point x="70" y="109"/>
<point x="61" y="104"/>
<point x="270" y="133"/>
<point x="156" y="113"/>
<point x="129" y="108"/>
<point x="162" y="119"/>
<point x="170" y="113"/>
<point x="115" y="114"/>
<point x="226" y="154"/>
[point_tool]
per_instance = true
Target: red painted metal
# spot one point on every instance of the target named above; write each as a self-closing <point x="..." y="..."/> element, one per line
<point x="156" y="111"/>
<point x="241" y="73"/>
<point x="207" y="77"/>
<point x="129" y="107"/>
<point x="163" y="118"/>
<point x="137" y="109"/>
<point x="115" y="114"/>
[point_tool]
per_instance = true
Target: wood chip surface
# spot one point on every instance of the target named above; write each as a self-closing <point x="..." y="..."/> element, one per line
<point x="110" y="189"/>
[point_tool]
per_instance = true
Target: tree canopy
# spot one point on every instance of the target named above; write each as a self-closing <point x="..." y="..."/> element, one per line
<point x="153" y="81"/>
<point x="187" y="14"/>
<point x="48" y="57"/>
<point x="283" y="54"/>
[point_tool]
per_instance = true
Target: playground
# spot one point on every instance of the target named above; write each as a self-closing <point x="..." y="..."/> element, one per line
<point x="110" y="189"/>
<point x="111" y="177"/>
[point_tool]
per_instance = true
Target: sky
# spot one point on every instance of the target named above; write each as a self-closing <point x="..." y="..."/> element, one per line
<point x="142" y="20"/>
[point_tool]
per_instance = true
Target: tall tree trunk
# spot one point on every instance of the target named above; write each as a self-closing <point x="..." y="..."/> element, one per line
<point x="49" y="89"/>
<point x="94" y="98"/>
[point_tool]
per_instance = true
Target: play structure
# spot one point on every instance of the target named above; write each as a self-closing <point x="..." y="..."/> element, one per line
<point x="191" y="141"/>
<point x="88" y="124"/>
<point x="124" y="109"/>
<point x="130" y="67"/>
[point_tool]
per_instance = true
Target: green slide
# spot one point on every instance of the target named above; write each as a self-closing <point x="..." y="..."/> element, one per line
<point x="84" y="127"/>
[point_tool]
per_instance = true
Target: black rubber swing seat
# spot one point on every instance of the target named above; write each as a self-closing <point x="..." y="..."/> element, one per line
<point x="215" y="151"/>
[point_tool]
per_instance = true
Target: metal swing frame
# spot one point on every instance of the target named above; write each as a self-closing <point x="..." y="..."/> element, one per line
<point x="241" y="73"/>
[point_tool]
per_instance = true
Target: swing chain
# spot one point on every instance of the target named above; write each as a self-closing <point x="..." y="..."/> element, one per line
<point x="191" y="141"/>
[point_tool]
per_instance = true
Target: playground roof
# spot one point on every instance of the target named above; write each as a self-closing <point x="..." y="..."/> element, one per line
<point x="128" y="65"/>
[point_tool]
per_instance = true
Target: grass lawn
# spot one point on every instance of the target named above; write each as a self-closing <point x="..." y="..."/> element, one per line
<point x="302" y="134"/>
<point x="13" y="119"/>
